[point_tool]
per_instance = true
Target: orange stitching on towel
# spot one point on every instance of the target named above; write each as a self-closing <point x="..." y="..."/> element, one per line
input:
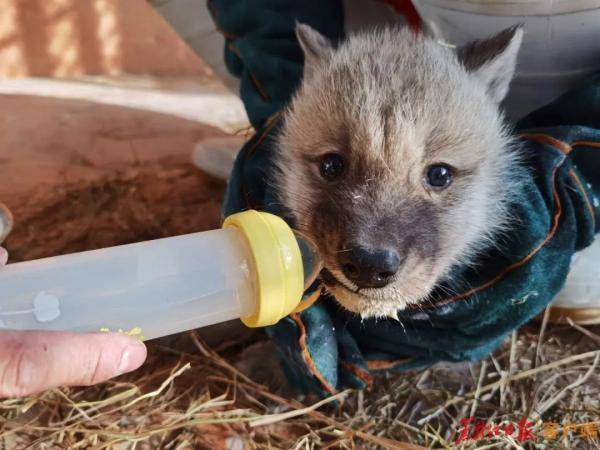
<point x="263" y="93"/>
<point x="548" y="140"/>
<point x="265" y="132"/>
<point x="384" y="365"/>
<point x="218" y="27"/>
<point x="587" y="143"/>
<point x="309" y="301"/>
<point x="359" y="372"/>
<point x="307" y="358"/>
<point x="575" y="178"/>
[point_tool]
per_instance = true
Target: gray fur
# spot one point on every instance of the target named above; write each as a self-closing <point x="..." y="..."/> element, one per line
<point x="493" y="60"/>
<point x="392" y="103"/>
<point x="315" y="46"/>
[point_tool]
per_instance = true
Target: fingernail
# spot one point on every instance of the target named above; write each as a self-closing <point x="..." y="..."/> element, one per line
<point x="133" y="357"/>
<point x="3" y="256"/>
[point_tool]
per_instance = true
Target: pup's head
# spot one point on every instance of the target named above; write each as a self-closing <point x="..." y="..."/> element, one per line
<point x="394" y="159"/>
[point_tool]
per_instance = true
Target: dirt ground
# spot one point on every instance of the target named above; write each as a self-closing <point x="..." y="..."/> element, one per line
<point x="92" y="163"/>
<point x="78" y="175"/>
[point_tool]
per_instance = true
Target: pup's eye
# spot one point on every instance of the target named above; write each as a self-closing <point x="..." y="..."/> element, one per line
<point x="439" y="176"/>
<point x="332" y="166"/>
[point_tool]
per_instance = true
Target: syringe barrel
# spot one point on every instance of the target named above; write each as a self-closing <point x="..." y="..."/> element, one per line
<point x="162" y="287"/>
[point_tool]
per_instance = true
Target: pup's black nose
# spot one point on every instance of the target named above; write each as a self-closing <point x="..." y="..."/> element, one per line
<point x="369" y="267"/>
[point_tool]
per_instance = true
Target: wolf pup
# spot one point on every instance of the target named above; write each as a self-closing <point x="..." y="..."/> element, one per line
<point x="395" y="159"/>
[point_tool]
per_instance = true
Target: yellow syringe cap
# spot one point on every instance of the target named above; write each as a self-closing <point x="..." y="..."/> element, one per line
<point x="277" y="261"/>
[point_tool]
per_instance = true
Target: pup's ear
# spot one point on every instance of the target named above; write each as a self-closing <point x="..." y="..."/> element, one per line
<point x="494" y="60"/>
<point x="316" y="47"/>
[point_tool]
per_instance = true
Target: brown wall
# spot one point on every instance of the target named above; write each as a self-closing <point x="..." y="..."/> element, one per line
<point x="67" y="38"/>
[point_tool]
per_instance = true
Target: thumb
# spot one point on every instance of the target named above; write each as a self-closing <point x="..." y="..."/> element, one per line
<point x="32" y="361"/>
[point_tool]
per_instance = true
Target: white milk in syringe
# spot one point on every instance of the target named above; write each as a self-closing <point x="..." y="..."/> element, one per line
<point x="254" y="268"/>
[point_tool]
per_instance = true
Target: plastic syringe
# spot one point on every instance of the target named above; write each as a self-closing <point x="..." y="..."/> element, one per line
<point x="254" y="268"/>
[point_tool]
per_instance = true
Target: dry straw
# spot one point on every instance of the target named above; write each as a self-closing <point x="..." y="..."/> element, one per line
<point x="188" y="396"/>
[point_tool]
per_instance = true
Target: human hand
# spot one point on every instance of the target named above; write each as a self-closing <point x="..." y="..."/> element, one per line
<point x="33" y="361"/>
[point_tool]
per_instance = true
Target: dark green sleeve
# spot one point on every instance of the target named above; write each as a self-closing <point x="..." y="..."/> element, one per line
<point x="261" y="47"/>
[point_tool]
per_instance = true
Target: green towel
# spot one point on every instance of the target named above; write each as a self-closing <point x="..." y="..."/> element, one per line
<point x="325" y="348"/>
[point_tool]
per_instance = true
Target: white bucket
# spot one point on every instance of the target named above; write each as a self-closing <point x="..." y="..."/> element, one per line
<point x="561" y="45"/>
